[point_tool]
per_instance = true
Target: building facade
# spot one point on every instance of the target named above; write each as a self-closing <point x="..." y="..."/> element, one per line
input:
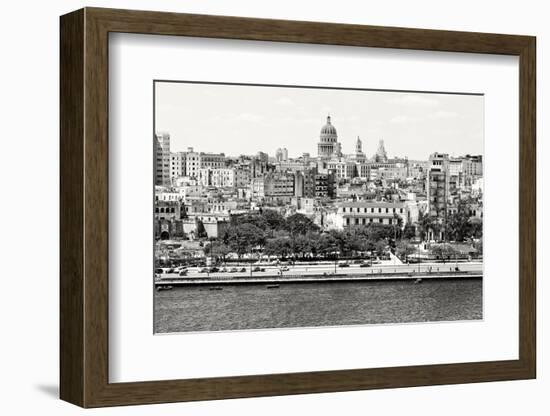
<point x="364" y="213"/>
<point x="161" y="156"/>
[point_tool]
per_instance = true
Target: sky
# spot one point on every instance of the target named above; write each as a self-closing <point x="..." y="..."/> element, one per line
<point x="245" y="119"/>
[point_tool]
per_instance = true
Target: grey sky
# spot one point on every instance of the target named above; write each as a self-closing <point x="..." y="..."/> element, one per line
<point x="236" y="119"/>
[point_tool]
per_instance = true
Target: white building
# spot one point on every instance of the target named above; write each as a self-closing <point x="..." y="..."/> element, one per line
<point x="177" y="165"/>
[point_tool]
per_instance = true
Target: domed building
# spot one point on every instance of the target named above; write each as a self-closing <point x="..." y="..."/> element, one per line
<point x="328" y="145"/>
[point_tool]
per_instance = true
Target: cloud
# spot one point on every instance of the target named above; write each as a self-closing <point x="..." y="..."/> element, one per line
<point x="415" y="100"/>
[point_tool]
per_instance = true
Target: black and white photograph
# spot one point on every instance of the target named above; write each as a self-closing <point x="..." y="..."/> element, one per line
<point x="283" y="206"/>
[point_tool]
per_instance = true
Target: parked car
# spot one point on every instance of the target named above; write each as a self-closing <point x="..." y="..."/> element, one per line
<point x="203" y="270"/>
<point x="214" y="270"/>
<point x="242" y="270"/>
<point x="233" y="270"/>
<point x="258" y="269"/>
<point x="364" y="265"/>
<point x="183" y="272"/>
<point x="285" y="269"/>
<point x="343" y="265"/>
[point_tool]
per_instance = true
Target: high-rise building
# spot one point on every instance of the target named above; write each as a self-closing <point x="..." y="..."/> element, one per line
<point x="177" y="165"/>
<point x="192" y="163"/>
<point x="161" y="157"/>
<point x="472" y="167"/>
<point x="279" y="185"/>
<point x="281" y="155"/>
<point x="438" y="188"/>
<point x="212" y="160"/>
<point x="285" y="154"/>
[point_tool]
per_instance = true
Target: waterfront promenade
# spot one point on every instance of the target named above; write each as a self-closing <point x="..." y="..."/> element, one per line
<point x="327" y="272"/>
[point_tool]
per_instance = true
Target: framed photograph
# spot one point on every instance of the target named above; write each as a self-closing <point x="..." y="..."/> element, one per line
<point x="254" y="207"/>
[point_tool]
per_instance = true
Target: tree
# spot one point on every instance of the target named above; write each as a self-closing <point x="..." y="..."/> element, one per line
<point x="242" y="238"/>
<point x="425" y="224"/>
<point x="458" y="223"/>
<point x="218" y="249"/>
<point x="375" y="231"/>
<point x="201" y="231"/>
<point x="278" y="246"/>
<point x="300" y="224"/>
<point x="478" y="245"/>
<point x="461" y="226"/>
<point x="444" y="251"/>
<point x="404" y="249"/>
<point x="380" y="247"/>
<point x="409" y="232"/>
<point x="274" y="220"/>
<point x="476" y="229"/>
<point x="327" y="245"/>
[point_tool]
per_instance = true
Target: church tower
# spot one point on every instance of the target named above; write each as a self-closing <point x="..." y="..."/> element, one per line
<point x="359" y="155"/>
<point x="381" y="155"/>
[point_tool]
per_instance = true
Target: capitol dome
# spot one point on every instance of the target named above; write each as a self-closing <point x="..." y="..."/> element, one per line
<point x="328" y="130"/>
<point x="328" y="145"/>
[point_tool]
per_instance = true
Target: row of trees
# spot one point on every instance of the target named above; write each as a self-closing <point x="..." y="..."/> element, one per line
<point x="457" y="226"/>
<point x="298" y="237"/>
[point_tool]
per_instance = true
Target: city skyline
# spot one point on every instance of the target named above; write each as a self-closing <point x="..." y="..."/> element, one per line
<point x="237" y="119"/>
<point x="387" y="226"/>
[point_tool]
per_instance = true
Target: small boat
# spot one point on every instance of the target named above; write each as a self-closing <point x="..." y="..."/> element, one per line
<point x="164" y="287"/>
<point x="418" y="281"/>
<point x="215" y="288"/>
<point x="272" y="286"/>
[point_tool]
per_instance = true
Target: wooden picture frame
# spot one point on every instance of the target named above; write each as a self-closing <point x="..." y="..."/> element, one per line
<point x="84" y="207"/>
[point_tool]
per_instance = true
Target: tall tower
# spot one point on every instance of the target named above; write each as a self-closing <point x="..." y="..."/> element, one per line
<point x="358" y="146"/>
<point x="438" y="190"/>
<point x="328" y="141"/>
<point x="381" y="155"/>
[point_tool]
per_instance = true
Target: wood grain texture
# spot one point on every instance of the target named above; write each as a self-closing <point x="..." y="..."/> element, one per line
<point x="71" y="213"/>
<point x="84" y="205"/>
